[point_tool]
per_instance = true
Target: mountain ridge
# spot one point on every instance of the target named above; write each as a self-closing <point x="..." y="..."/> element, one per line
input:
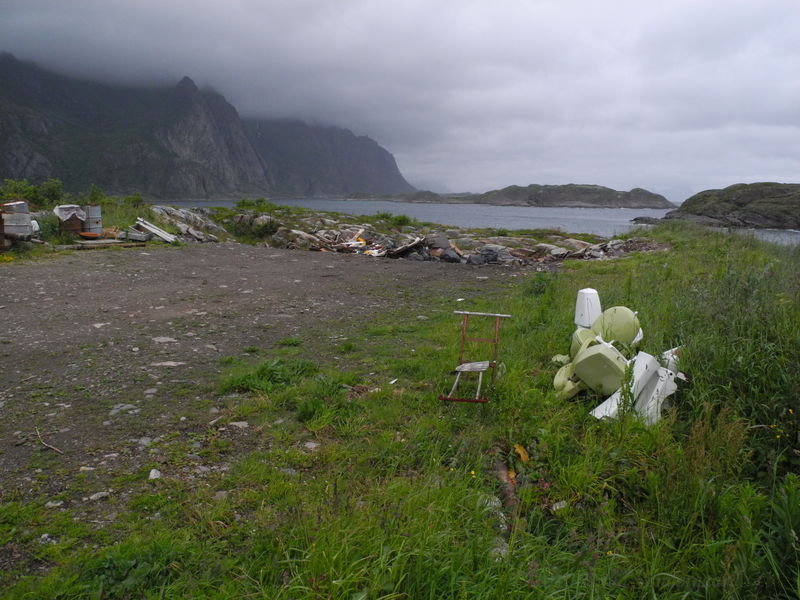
<point x="171" y="142"/>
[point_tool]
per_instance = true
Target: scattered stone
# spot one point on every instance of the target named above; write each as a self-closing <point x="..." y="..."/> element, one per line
<point x="437" y="241"/>
<point x="221" y="495"/>
<point x="99" y="496"/>
<point x="167" y="363"/>
<point x="150" y="391"/>
<point x="164" y="340"/>
<point x="54" y="504"/>
<point x="118" y="408"/>
<point x="311" y="445"/>
<point x="450" y="255"/>
<point x="86" y="469"/>
<point x="574" y="244"/>
<point x="239" y="424"/>
<point x="154" y="474"/>
<point x="144" y="441"/>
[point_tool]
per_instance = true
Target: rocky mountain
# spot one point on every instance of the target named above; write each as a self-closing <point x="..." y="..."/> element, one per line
<point x="172" y="142"/>
<point x="309" y="160"/>
<point x="761" y="205"/>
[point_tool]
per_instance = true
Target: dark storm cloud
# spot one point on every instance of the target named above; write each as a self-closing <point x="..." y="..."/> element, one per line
<point x="472" y="95"/>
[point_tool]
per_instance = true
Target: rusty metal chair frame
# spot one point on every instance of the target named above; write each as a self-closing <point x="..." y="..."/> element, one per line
<point x="479" y="367"/>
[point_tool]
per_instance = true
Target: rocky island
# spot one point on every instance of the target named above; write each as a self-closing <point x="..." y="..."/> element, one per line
<point x="758" y="205"/>
<point x="569" y="195"/>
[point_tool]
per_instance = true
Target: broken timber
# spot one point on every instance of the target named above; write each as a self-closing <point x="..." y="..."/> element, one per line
<point x="156" y="231"/>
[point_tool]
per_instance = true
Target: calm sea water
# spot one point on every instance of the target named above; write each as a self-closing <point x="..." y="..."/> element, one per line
<point x="600" y="221"/>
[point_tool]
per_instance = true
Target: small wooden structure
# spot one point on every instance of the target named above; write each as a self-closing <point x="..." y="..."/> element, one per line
<point x="72" y="225"/>
<point x="479" y="367"/>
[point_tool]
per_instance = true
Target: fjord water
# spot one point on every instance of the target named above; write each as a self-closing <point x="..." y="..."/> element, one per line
<point x="600" y="221"/>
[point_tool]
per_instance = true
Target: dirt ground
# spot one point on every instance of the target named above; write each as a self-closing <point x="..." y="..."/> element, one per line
<point x="103" y="352"/>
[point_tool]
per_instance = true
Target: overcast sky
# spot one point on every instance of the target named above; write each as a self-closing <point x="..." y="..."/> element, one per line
<point x="674" y="96"/>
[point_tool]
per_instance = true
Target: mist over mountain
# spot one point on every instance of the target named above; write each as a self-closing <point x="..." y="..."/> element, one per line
<point x="172" y="142"/>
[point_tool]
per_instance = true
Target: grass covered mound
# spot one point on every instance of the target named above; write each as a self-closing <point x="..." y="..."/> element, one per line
<point x="771" y="205"/>
<point x="355" y="488"/>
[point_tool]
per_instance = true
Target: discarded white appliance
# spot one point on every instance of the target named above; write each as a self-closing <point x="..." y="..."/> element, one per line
<point x="587" y="307"/>
<point x="649" y="387"/>
<point x="595" y="363"/>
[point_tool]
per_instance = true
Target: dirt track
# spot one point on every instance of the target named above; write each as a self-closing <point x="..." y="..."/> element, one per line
<point x="100" y="349"/>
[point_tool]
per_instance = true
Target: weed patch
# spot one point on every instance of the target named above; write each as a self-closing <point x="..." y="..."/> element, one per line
<point x="358" y="483"/>
<point x="266" y="376"/>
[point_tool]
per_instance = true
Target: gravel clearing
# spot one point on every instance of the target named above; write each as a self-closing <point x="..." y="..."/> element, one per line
<point x="105" y="352"/>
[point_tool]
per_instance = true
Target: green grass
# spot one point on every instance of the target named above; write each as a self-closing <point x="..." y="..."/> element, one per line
<point x="399" y="498"/>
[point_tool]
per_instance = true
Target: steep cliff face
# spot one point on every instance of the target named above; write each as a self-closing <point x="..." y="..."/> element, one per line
<point x="312" y="160"/>
<point x="171" y="142"/>
<point x="761" y="205"/>
<point x="573" y="195"/>
<point x="211" y="154"/>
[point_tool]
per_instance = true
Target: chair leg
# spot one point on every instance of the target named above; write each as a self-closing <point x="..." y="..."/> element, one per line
<point x="480" y="380"/>
<point x="455" y="385"/>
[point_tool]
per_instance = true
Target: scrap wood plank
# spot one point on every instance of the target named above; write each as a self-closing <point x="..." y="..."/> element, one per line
<point x="97" y="245"/>
<point x="156" y="231"/>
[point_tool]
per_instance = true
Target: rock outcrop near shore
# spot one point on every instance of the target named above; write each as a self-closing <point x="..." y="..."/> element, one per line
<point x="757" y="205"/>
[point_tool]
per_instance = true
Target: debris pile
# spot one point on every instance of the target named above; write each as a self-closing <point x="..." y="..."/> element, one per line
<point x="321" y="233"/>
<point x="192" y="225"/>
<point x="597" y="361"/>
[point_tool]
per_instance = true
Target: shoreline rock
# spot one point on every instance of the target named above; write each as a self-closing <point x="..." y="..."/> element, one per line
<point x="744" y="205"/>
